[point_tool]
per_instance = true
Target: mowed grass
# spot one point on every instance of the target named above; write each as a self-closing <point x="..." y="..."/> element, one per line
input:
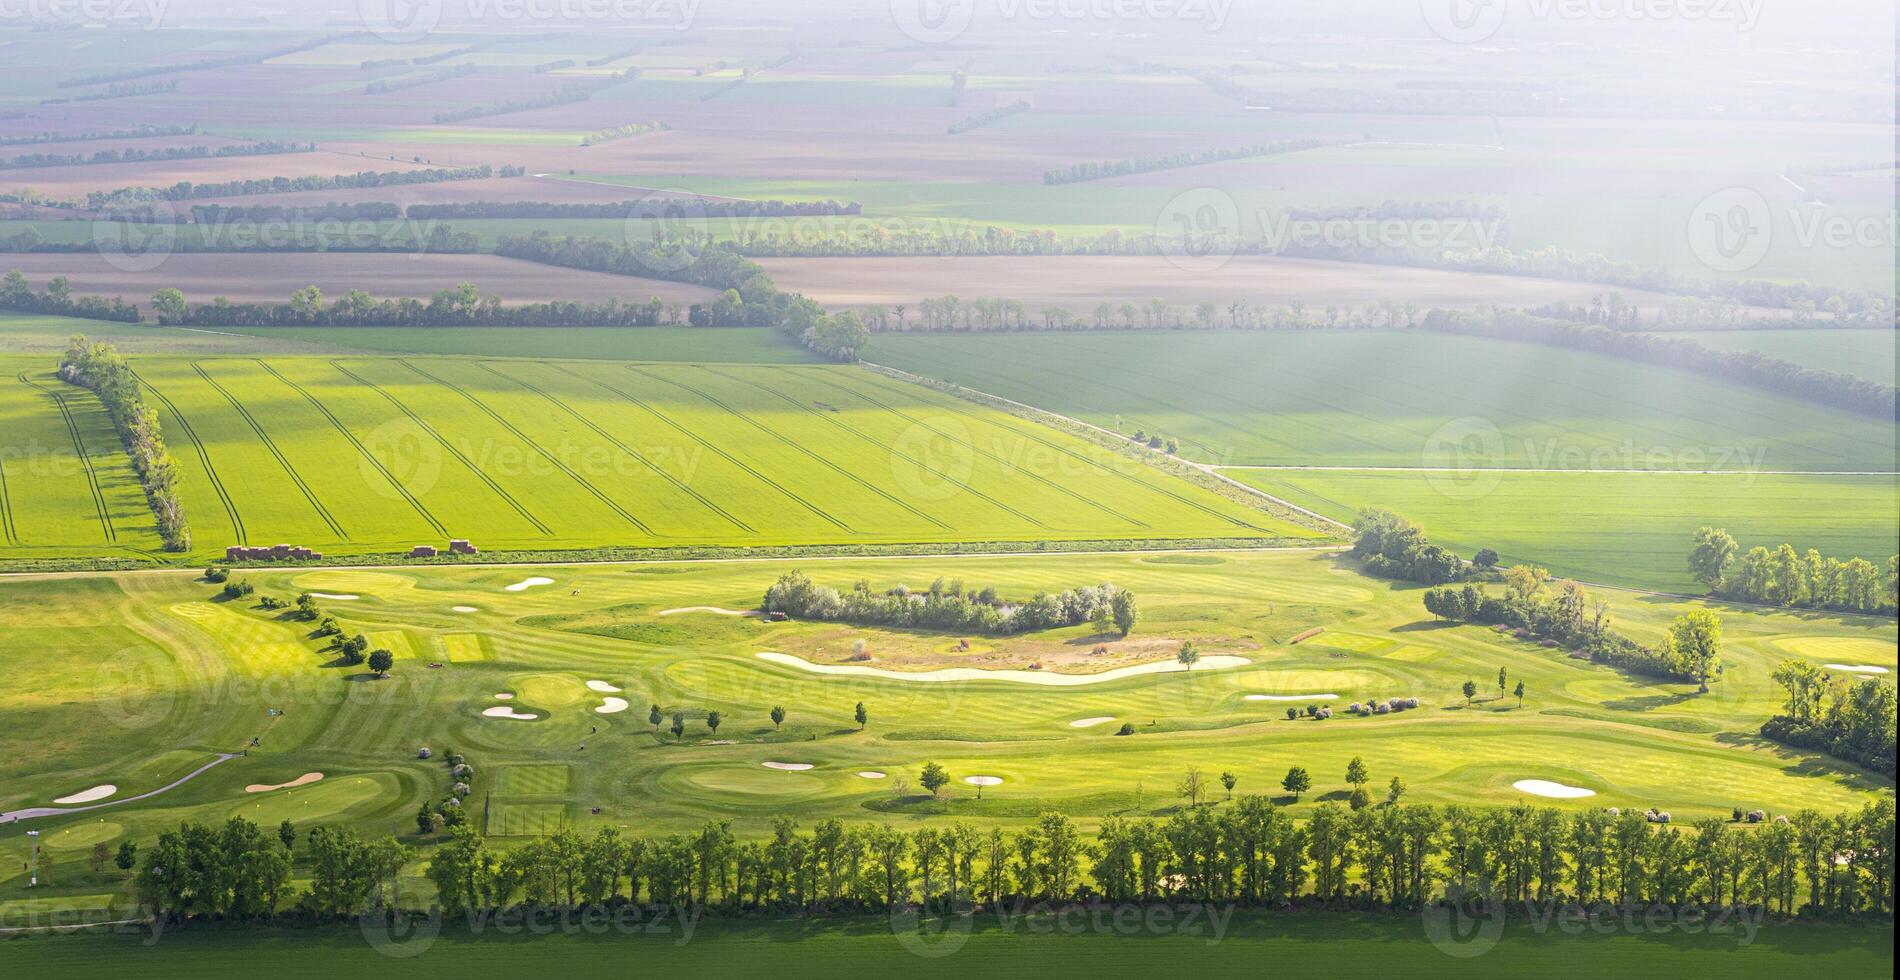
<point x="365" y="455"/>
<point x="1389" y="398"/>
<point x="1629" y="529"/>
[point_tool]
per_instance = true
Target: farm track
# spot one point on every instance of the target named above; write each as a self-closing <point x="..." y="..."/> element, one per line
<point x="204" y="457"/>
<point x="824" y="417"/>
<point x="828" y="464"/>
<point x="360" y="448"/>
<point x="6" y="507"/>
<point x="623" y="447"/>
<point x="85" y="461"/>
<point x="1030" y="434"/>
<point x="993" y="457"/>
<point x="282" y="460"/>
<point x="641" y="404"/>
<point x="447" y="447"/>
<point x="592" y="490"/>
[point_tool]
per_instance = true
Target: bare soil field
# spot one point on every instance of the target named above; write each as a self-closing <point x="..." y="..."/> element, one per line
<point x="75" y="182"/>
<point x="1080" y="282"/>
<point x="273" y="277"/>
<point x="449" y="192"/>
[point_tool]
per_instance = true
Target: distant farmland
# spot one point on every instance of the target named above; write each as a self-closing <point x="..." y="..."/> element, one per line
<point x="358" y="455"/>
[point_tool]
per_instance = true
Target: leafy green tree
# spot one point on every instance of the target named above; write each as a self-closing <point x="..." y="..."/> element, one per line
<point x="712" y="721"/>
<point x="862" y="715"/>
<point x="1485" y="559"/>
<point x="128" y="856"/>
<point x="169" y="304"/>
<point x="380" y="661"/>
<point x="1710" y="555"/>
<point x="1188" y="655"/>
<point x="1356" y="773"/>
<point x="1695" y="644"/>
<point x="1470" y="690"/>
<point x="679" y="725"/>
<point x="778" y="717"/>
<point x="1123" y="607"/>
<point x="654" y="718"/>
<point x="1395" y="790"/>
<point x="1296" y="782"/>
<point x="1227" y="781"/>
<point x="1501" y="681"/>
<point x="933" y="778"/>
<point x="1520" y="694"/>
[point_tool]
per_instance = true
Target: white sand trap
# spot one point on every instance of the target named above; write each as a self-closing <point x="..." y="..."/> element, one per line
<point x="503" y="711"/>
<point x="1557" y="791"/>
<point x="1292" y="697"/>
<point x="787" y="766"/>
<point x="984" y="780"/>
<point x="466" y="609"/>
<point x="715" y="610"/>
<point x="1042" y="677"/>
<point x="528" y="583"/>
<point x="504" y="696"/>
<point x="602" y="687"/>
<point x="1857" y="668"/>
<point x="1091" y="722"/>
<point x="335" y="596"/>
<point x="99" y="792"/>
<point x="870" y="774"/>
<point x="303" y="780"/>
<point x="611" y="706"/>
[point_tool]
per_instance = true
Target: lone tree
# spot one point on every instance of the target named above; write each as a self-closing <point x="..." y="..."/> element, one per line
<point x="1188" y="655"/>
<point x="1471" y="690"/>
<point x="380" y="661"/>
<point x="1695" y="645"/>
<point x="862" y="716"/>
<point x="1500" y="682"/>
<point x="1227" y="781"/>
<point x="1520" y="694"/>
<point x="1123" y="607"/>
<point x="712" y="721"/>
<point x="1296" y="782"/>
<point x="654" y="717"/>
<point x="1191" y="786"/>
<point x="778" y="717"/>
<point x="933" y="778"/>
<point x="679" y="725"/>
<point x="1356" y="773"/>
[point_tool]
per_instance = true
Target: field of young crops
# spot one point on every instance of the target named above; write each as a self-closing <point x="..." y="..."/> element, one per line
<point x="362" y="454"/>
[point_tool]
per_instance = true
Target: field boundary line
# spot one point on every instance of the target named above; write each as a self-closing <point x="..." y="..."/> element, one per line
<point x="85" y="461"/>
<point x="823" y="417"/>
<point x="6" y="505"/>
<point x="592" y="490"/>
<point x="623" y="447"/>
<point x="506" y="497"/>
<point x="716" y="450"/>
<point x="1527" y="469"/>
<point x="956" y="390"/>
<point x="337" y="424"/>
<point x="295" y="477"/>
<point x="204" y="456"/>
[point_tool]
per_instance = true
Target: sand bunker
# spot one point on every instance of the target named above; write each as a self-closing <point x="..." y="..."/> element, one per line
<point x="787" y="766"/>
<point x="715" y="610"/>
<point x="602" y="687"/>
<point x="303" y="780"/>
<point x="984" y="780"/>
<point x="339" y="597"/>
<point x="1544" y="787"/>
<point x="1018" y="676"/>
<point x="611" y="706"/>
<point x="504" y="696"/>
<point x="528" y="583"/>
<point x="870" y="774"/>
<point x="1090" y="722"/>
<point x="503" y="711"/>
<point x="1857" y="668"/>
<point x="466" y="609"/>
<point x="1292" y="697"/>
<point x="99" y="792"/>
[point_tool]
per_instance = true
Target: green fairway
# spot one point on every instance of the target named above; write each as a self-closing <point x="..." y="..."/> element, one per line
<point x="1628" y="529"/>
<point x="363" y="455"/>
<point x="1385" y="398"/>
<point x="137" y="679"/>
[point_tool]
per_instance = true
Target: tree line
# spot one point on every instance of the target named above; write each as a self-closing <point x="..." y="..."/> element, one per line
<point x="1080" y="172"/>
<point x="1248" y="851"/>
<point x="948" y="606"/>
<point x="624" y="132"/>
<point x="384" y="85"/>
<point x="1843" y="714"/>
<point x="989" y="118"/>
<point x="643" y="209"/>
<point x="138" y="132"/>
<point x="1784" y="577"/>
<point x="185" y="190"/>
<point x="205" y="64"/>
<point x="57" y="299"/>
<point x="117" y="90"/>
<point x="565" y="95"/>
<point x="102" y="370"/>
<point x="135" y="155"/>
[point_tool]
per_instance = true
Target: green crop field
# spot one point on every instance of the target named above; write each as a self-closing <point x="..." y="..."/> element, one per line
<point x="1862" y="353"/>
<point x="363" y="455"/>
<point x="1382" y="398"/>
<point x="1629" y="529"/>
<point x="136" y="679"/>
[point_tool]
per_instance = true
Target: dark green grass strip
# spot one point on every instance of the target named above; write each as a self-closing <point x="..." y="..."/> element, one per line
<point x="579" y="480"/>
<point x="295" y="477"/>
<point x="85" y="461"/>
<point x="828" y="464"/>
<point x="360" y="448"/>
<point x="623" y="447"/>
<point x="854" y="433"/>
<point x="641" y="404"/>
<point x="6" y="505"/>
<point x="204" y="456"/>
<point x="1039" y="478"/>
<point x="447" y="447"/>
<point x="1030" y="434"/>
